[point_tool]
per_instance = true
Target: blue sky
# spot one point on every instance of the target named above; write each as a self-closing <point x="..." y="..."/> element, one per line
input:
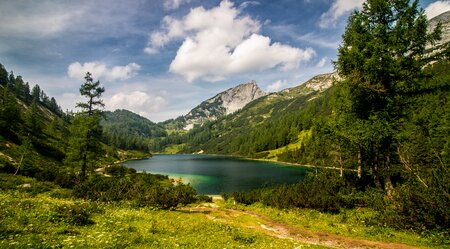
<point x="161" y="58"/>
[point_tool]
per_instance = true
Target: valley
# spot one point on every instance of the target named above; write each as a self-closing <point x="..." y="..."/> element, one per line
<point x="355" y="158"/>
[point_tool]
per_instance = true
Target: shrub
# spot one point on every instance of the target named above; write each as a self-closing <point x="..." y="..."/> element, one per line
<point x="119" y="170"/>
<point x="76" y="214"/>
<point x="142" y="189"/>
<point x="326" y="191"/>
<point x="416" y="207"/>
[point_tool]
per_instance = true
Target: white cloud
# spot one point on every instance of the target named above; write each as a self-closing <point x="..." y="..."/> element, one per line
<point x="137" y="101"/>
<point x="38" y="20"/>
<point x="174" y="4"/>
<point x="245" y="4"/>
<point x="337" y="10"/>
<point x="220" y="42"/>
<point x="437" y="8"/>
<point x="99" y="70"/>
<point x="322" y="62"/>
<point x="276" y="86"/>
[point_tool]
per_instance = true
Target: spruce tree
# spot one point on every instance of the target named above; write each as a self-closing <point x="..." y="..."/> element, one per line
<point x="84" y="144"/>
<point x="381" y="60"/>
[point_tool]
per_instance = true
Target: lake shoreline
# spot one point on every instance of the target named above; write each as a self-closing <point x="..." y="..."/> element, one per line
<point x="217" y="174"/>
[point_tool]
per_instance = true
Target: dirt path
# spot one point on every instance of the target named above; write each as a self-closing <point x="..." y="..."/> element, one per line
<point x="273" y="228"/>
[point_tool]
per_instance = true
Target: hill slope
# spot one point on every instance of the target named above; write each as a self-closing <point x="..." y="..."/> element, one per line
<point x="267" y="123"/>
<point x="128" y="130"/>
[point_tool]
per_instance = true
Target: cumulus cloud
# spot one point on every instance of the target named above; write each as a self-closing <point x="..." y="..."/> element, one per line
<point x="220" y="42"/>
<point x="337" y="10"/>
<point x="437" y="8"/>
<point x="98" y="70"/>
<point x="276" y="86"/>
<point x="137" y="101"/>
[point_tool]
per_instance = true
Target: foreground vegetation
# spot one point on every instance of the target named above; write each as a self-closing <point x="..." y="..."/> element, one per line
<point x="41" y="215"/>
<point x="45" y="216"/>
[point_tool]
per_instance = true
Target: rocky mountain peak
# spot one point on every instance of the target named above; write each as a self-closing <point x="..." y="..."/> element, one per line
<point x="224" y="103"/>
<point x="235" y="98"/>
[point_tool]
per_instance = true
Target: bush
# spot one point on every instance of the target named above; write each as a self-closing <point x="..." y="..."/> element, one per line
<point x="326" y="191"/>
<point x="204" y="198"/>
<point x="119" y="170"/>
<point x="76" y="214"/>
<point x="142" y="189"/>
<point x="416" y="207"/>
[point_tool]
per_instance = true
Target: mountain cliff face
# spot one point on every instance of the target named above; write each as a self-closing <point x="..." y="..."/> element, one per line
<point x="224" y="103"/>
<point x="441" y="45"/>
<point x="318" y="83"/>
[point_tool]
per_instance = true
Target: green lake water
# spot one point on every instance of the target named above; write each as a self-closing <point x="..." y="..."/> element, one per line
<point x="214" y="175"/>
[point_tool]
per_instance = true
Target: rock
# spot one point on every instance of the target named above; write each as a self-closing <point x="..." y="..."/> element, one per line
<point x="26" y="185"/>
<point x="224" y="103"/>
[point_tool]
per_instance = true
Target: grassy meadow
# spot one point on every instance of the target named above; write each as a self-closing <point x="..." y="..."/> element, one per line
<point x="41" y="215"/>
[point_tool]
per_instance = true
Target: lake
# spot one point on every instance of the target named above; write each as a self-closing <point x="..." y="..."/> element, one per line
<point x="213" y="175"/>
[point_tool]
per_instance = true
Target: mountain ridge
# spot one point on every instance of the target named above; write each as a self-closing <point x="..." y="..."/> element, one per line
<point x="222" y="104"/>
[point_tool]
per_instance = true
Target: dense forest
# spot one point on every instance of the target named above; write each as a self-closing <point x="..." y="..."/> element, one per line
<point x="129" y="131"/>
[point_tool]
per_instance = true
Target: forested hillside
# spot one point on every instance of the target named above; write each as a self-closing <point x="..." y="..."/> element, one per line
<point x="33" y="129"/>
<point x="36" y="135"/>
<point x="127" y="130"/>
<point x="269" y="123"/>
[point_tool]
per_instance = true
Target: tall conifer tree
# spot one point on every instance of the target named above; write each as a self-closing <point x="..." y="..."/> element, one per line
<point x="84" y="144"/>
<point x="381" y="60"/>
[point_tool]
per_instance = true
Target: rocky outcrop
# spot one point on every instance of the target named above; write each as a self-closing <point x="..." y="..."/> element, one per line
<point x="224" y="103"/>
<point x="442" y="44"/>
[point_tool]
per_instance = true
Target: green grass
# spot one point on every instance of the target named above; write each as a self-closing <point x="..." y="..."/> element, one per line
<point x="49" y="219"/>
<point x="302" y="137"/>
<point x="174" y="149"/>
<point x="43" y="215"/>
<point x="354" y="223"/>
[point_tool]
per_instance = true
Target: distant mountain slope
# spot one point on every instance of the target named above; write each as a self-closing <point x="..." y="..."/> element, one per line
<point x="128" y="130"/>
<point x="224" y="103"/>
<point x="268" y="123"/>
<point x="132" y="124"/>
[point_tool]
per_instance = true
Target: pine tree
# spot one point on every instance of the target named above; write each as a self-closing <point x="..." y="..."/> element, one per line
<point x="86" y="131"/>
<point x="381" y="60"/>
<point x="3" y="76"/>
<point x="93" y="92"/>
<point x="36" y="93"/>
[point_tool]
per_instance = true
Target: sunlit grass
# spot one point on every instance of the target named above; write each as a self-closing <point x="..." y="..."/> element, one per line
<point x="302" y="137"/>
<point x="42" y="221"/>
<point x="354" y="223"/>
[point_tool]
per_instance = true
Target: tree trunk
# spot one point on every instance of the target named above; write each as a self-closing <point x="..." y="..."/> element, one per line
<point x="20" y="164"/>
<point x="83" y="167"/>
<point x="376" y="174"/>
<point x="388" y="186"/>
<point x="359" y="163"/>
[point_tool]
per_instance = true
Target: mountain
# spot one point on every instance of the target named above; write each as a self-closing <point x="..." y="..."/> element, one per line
<point x="443" y="44"/>
<point x="130" y="131"/>
<point x="267" y="123"/>
<point x="131" y="124"/>
<point x="224" y="103"/>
